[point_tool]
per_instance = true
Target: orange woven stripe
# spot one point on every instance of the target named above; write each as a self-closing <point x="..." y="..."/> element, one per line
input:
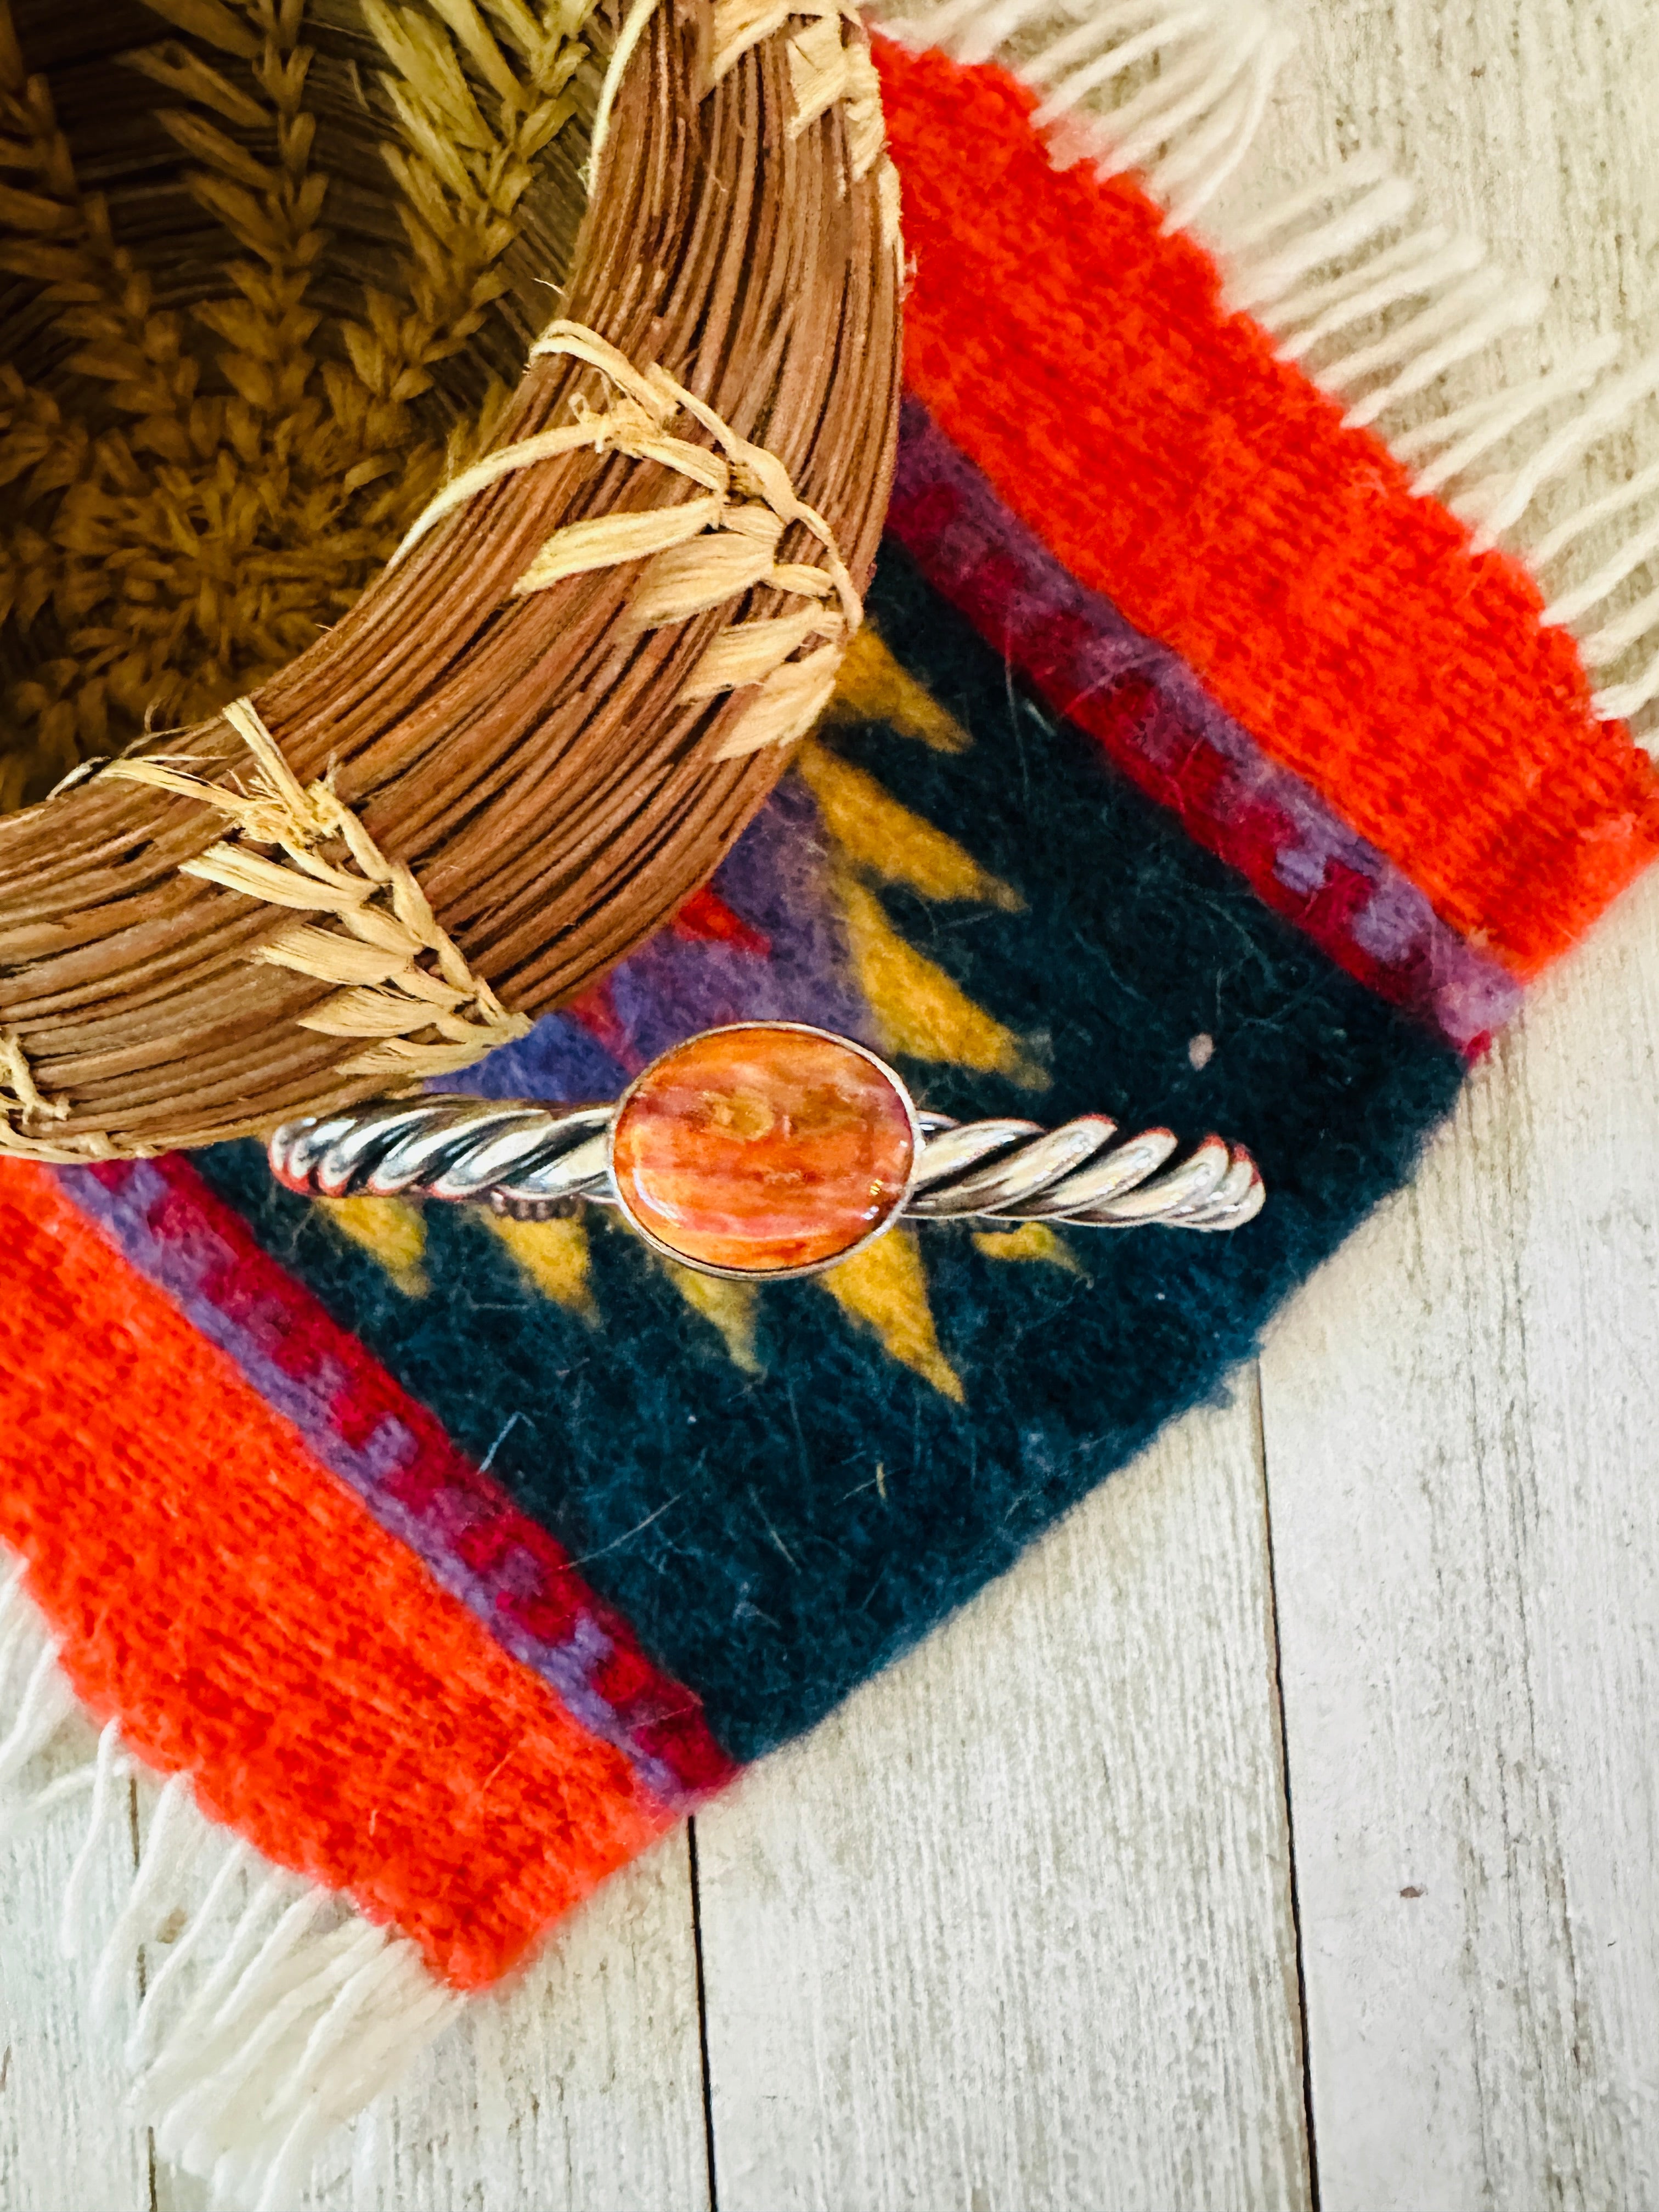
<point x="1081" y="356"/>
<point x="239" y="1609"/>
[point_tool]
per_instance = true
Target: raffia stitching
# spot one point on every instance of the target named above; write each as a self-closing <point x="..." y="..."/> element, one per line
<point x="397" y="970"/>
<point x="22" y="1101"/>
<point x="19" y="1079"/>
<point x="823" y="71"/>
<point x="696" y="555"/>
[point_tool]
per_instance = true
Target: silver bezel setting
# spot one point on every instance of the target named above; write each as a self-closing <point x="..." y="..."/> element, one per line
<point x="771" y="1274"/>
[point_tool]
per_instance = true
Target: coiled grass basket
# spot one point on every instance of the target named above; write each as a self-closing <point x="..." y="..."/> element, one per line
<point x="293" y="816"/>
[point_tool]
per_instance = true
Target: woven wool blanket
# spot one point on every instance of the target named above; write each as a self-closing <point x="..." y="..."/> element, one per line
<point x="1198" y="764"/>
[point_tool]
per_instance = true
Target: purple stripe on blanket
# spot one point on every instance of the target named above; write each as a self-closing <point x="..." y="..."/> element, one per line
<point x="395" y="1457"/>
<point x="1073" y="647"/>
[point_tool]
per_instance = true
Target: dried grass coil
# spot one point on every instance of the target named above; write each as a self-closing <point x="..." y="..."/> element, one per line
<point x="553" y="748"/>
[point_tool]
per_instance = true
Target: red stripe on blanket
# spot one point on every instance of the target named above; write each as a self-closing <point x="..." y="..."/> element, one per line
<point x="1082" y="355"/>
<point x="253" y="1626"/>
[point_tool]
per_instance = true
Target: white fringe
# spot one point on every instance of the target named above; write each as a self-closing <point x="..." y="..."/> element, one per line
<point x="273" y="2016"/>
<point x="1415" y="266"/>
<point x="1641" y="542"/>
<point x="1356" y="205"/>
<point x="1622" y="703"/>
<point x="1595" y="511"/>
<point x="1186" y="129"/>
<point x="1457" y="440"/>
<point x="1482" y="308"/>
<point x="1502" y="501"/>
<point x="1376" y="314"/>
<point x="1326" y="261"/>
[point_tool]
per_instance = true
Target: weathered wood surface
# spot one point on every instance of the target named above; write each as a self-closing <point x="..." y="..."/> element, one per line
<point x="63" y="2143"/>
<point x="1016" y="1930"/>
<point x="1462" y="1455"/>
<point x="1031" y="1947"/>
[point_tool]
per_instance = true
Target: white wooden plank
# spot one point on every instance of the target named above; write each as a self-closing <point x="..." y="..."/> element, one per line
<point x="1462" y="1447"/>
<point x="581" y="2086"/>
<point x="1464" y="1468"/>
<point x="64" y="2145"/>
<point x="1013" y="1927"/>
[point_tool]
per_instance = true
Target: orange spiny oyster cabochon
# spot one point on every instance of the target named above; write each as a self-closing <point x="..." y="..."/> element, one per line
<point x="763" y="1149"/>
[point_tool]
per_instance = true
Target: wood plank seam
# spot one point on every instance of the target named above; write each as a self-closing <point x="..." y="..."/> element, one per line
<point x="702" y="2015"/>
<point x="1259" y="1429"/>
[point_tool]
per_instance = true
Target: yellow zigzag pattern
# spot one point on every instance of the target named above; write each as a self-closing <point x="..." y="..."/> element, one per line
<point x="873" y="687"/>
<point x="733" y="1309"/>
<point x="554" y="1255"/>
<point x="389" y="1230"/>
<point x="874" y="832"/>
<point x="919" y="1011"/>
<point x="885" y="1287"/>
<point x="1032" y="1240"/>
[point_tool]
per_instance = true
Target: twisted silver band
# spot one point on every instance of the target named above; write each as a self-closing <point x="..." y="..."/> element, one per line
<point x="531" y="1162"/>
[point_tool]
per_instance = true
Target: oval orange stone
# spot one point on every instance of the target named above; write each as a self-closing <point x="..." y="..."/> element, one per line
<point x="762" y="1149"/>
